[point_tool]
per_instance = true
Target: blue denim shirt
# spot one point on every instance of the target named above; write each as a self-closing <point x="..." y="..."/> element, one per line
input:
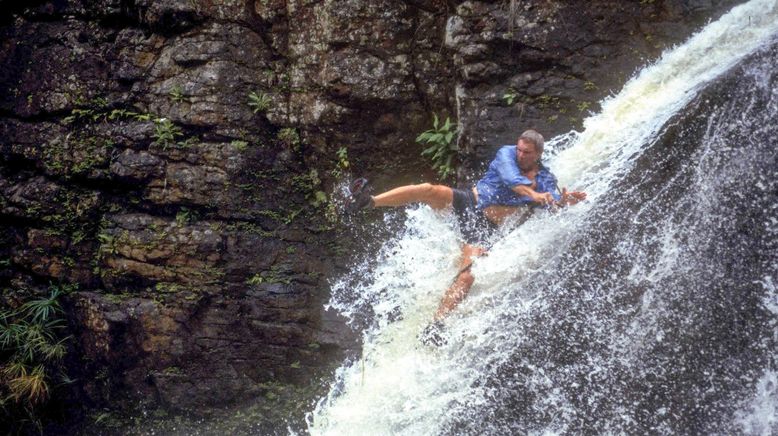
<point x="503" y="174"/>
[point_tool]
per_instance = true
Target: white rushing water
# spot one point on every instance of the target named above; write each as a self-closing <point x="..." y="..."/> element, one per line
<point x="400" y="386"/>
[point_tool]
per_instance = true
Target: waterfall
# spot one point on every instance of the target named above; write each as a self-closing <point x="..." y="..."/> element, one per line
<point x="650" y="308"/>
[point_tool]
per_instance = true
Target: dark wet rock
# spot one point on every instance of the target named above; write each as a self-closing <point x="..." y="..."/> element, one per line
<point x="204" y="78"/>
<point x="53" y="66"/>
<point x="169" y="15"/>
<point x="137" y="51"/>
<point x="137" y="165"/>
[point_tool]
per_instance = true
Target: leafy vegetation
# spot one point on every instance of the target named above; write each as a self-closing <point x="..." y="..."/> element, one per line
<point x="442" y="147"/>
<point x="239" y="145"/>
<point x="166" y="133"/>
<point x="95" y="115"/>
<point x="177" y="94"/>
<point x="185" y="216"/>
<point x="582" y="106"/>
<point x="342" y="164"/>
<point x="259" y="102"/>
<point x="289" y="137"/>
<point x="310" y="184"/>
<point x="31" y="351"/>
<point x="510" y="96"/>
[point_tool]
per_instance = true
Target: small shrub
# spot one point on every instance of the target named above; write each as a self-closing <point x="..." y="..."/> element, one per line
<point x="342" y="164"/>
<point x="183" y="217"/>
<point x="166" y="133"/>
<point x="510" y="97"/>
<point x="256" y="279"/>
<point x="342" y="154"/>
<point x="177" y="94"/>
<point x="240" y="145"/>
<point x="442" y="147"/>
<point x="259" y="102"/>
<point x="289" y="137"/>
<point x="32" y="349"/>
<point x="188" y="142"/>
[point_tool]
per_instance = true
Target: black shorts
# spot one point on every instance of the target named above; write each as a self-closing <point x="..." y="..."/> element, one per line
<point x="475" y="227"/>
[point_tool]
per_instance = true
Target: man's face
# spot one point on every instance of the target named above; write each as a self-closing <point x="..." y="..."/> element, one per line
<point x="527" y="155"/>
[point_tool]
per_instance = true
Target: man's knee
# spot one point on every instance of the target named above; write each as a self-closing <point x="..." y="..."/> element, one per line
<point x="437" y="196"/>
<point x="424" y="189"/>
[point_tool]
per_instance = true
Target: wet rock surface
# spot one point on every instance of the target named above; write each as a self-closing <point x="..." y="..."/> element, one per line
<point x="176" y="159"/>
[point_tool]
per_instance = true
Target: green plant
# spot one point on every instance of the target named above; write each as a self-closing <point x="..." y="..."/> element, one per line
<point x="177" y="94"/>
<point x="510" y="96"/>
<point x="96" y="152"/>
<point x="442" y="148"/>
<point x="309" y="184"/>
<point x="188" y="142"/>
<point x="342" y="164"/>
<point x="165" y="132"/>
<point x="107" y="244"/>
<point x="32" y="348"/>
<point x="97" y="110"/>
<point x="184" y="217"/>
<point x="271" y="276"/>
<point x="107" y="419"/>
<point x="342" y="154"/>
<point x="168" y="287"/>
<point x="241" y="146"/>
<point x="259" y="102"/>
<point x="319" y="199"/>
<point x="589" y="86"/>
<point x="256" y="279"/>
<point x="582" y="106"/>
<point x="546" y="100"/>
<point x="78" y="114"/>
<point x="289" y="137"/>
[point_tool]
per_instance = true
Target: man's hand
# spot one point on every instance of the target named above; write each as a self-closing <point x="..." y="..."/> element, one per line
<point x="543" y="198"/>
<point x="571" y="198"/>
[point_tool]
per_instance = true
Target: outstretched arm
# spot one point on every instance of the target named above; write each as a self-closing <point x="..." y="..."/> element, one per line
<point x="542" y="198"/>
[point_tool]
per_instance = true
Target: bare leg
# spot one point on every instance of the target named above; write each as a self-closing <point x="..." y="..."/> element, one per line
<point x="436" y="196"/>
<point x="462" y="283"/>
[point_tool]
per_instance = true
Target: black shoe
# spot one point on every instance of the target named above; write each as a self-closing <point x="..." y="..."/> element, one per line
<point x="432" y="334"/>
<point x="360" y="197"/>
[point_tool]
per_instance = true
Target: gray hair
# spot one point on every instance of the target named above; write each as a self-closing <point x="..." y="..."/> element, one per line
<point x="533" y="137"/>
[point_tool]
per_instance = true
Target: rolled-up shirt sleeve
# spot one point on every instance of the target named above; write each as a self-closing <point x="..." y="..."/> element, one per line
<point x="508" y="168"/>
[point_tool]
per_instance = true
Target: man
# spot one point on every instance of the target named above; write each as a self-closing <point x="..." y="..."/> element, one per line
<point x="516" y="180"/>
